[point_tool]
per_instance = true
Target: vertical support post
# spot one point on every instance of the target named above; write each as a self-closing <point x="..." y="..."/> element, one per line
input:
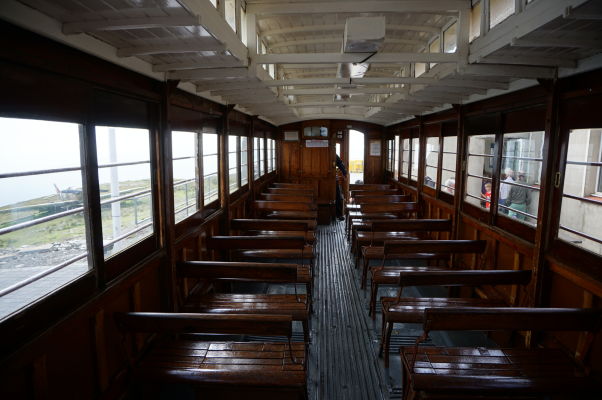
<point x="544" y="234"/>
<point x="224" y="176"/>
<point x="463" y="38"/>
<point x="459" y="189"/>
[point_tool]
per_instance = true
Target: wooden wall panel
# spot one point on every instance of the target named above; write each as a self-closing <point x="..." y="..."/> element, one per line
<point x="290" y="161"/>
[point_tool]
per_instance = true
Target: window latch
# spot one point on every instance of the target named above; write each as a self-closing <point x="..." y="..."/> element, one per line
<point x="557" y="180"/>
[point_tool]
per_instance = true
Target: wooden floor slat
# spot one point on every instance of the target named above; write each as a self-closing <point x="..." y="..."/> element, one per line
<point x="343" y="360"/>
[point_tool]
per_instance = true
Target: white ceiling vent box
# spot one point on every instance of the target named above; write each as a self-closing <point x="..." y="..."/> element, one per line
<point x="364" y="34"/>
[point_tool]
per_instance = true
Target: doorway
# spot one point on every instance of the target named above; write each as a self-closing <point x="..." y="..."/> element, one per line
<point x="356" y="157"/>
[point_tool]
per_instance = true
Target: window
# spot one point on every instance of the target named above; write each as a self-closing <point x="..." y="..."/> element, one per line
<point x="432" y="162"/>
<point x="450" y="39"/>
<point x="448" y="167"/>
<point x="405" y="158"/>
<point x="396" y="158"/>
<point x="233" y="163"/>
<point x="124" y="176"/>
<point x="256" y="158"/>
<point x="244" y="161"/>
<point x="390" y="154"/>
<point x="522" y="159"/>
<point x="185" y="173"/>
<point x="475" y="21"/>
<point x="230" y="13"/>
<point x="499" y="10"/>
<point x="581" y="209"/>
<point x="479" y="170"/>
<point x="271" y="155"/>
<point x="42" y="222"/>
<point x="415" y="149"/>
<point x="210" y="168"/>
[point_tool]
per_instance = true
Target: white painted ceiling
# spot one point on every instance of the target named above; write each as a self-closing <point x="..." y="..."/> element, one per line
<point x="190" y="41"/>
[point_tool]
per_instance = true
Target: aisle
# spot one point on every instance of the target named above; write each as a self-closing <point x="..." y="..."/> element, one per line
<point x="343" y="354"/>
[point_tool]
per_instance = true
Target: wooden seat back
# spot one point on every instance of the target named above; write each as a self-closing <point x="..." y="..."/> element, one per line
<point x="441" y="247"/>
<point x="407" y="207"/>
<point x="393" y="198"/>
<point x="409" y="225"/>
<point x="369" y="186"/>
<point x="380" y="192"/>
<point x="254" y="242"/>
<point x="272" y="225"/>
<point x="156" y="322"/>
<point x="512" y="318"/>
<point x="283" y="185"/>
<point x="464" y="278"/>
<point x="302" y="192"/>
<point x="266" y="205"/>
<point x="287" y="197"/>
<point x="238" y="271"/>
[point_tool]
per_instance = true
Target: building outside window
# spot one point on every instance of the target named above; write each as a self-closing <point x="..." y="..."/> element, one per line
<point x="581" y="210"/>
<point x="479" y="170"/>
<point x="448" y="167"/>
<point x="244" y="161"/>
<point x="432" y="162"/>
<point x="415" y="150"/>
<point x="405" y="157"/>
<point x="396" y="158"/>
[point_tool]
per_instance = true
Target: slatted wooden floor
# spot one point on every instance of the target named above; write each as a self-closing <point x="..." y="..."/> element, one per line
<point x="343" y="360"/>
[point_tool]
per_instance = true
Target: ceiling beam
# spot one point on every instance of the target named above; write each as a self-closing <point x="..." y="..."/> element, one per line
<point x="528" y="60"/>
<point x="307" y="92"/>
<point x="354" y="104"/>
<point x="74" y="27"/>
<point x="215" y="24"/>
<point x="593" y="13"/>
<point x="204" y="62"/>
<point x="323" y="7"/>
<point x="237" y="83"/>
<point x="208" y="73"/>
<point x="341" y="27"/>
<point x="452" y="82"/>
<point x="512" y="71"/>
<point x="202" y="43"/>
<point x="550" y="41"/>
<point x="338" y="41"/>
<point x="533" y="17"/>
<point x="318" y="58"/>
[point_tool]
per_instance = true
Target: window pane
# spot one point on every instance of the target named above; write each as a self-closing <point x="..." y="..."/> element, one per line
<point x="581" y="210"/>
<point x="396" y="158"/>
<point x="229" y="10"/>
<point x="432" y="162"/>
<point x="448" y="169"/>
<point x="261" y="156"/>
<point x="499" y="10"/>
<point x="210" y="167"/>
<point x="185" y="174"/>
<point x="521" y="172"/>
<point x="481" y="150"/>
<point x="450" y="39"/>
<point x="244" y="162"/>
<point x="42" y="225"/>
<point x="405" y="157"/>
<point x="233" y="162"/>
<point x="124" y="176"/>
<point x="256" y="172"/>
<point x="475" y="21"/>
<point x="415" y="148"/>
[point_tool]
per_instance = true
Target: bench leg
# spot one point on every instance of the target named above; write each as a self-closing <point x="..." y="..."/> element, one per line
<point x="305" y="324"/>
<point x="373" y="293"/>
<point x="365" y="272"/>
<point x="387" y="341"/>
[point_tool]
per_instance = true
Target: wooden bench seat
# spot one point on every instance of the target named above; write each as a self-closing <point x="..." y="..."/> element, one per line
<point x="500" y="373"/>
<point x="379" y="212"/>
<point x="287" y="197"/>
<point x="272" y="227"/>
<point x="263" y="247"/>
<point x="369" y="186"/>
<point x="296" y="305"/>
<point x="302" y="192"/>
<point x="378" y="231"/>
<point x="288" y="185"/>
<point x="411" y="310"/>
<point x="285" y="209"/>
<point x="438" y="250"/>
<point x="219" y="369"/>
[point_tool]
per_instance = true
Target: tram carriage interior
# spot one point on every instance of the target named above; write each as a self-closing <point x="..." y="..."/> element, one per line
<point x="173" y="222"/>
